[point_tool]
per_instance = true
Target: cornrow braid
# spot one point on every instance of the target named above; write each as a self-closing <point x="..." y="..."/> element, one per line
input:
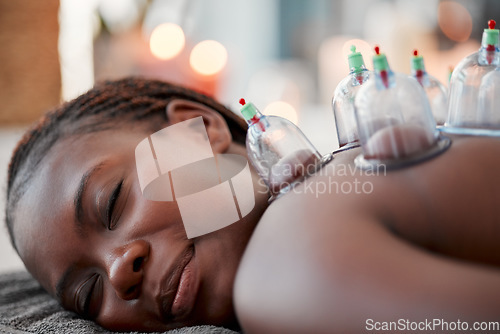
<point x="102" y="107"/>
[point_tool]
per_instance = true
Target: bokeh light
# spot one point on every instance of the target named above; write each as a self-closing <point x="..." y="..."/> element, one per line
<point x="167" y="41"/>
<point x="455" y="21"/>
<point x="208" y="57"/>
<point x="282" y="109"/>
<point x="120" y="15"/>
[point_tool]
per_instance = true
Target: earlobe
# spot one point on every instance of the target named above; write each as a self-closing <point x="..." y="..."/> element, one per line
<point x="218" y="132"/>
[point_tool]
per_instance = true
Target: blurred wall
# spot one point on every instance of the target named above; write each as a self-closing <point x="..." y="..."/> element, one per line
<point x="30" y="81"/>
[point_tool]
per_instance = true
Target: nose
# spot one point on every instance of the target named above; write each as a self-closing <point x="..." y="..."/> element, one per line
<point x="126" y="269"/>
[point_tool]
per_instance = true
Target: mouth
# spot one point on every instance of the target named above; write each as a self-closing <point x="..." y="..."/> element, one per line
<point x="178" y="300"/>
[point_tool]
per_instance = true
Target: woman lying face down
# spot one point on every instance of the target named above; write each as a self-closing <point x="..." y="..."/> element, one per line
<point x="420" y="244"/>
<point x="85" y="231"/>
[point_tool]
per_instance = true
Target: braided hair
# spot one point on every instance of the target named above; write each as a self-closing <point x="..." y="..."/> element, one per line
<point x="105" y="106"/>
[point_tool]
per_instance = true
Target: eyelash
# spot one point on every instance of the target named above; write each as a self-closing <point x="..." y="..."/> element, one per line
<point x="83" y="306"/>
<point x="112" y="204"/>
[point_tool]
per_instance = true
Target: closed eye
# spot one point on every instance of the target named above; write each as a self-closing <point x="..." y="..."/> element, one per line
<point x="85" y="294"/>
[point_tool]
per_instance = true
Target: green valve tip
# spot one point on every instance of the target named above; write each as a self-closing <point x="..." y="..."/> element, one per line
<point x="248" y="110"/>
<point x="380" y="61"/>
<point x="490" y="35"/>
<point x="355" y="59"/>
<point x="417" y="62"/>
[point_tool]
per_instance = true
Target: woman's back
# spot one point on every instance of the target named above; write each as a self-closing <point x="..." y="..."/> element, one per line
<point x="347" y="246"/>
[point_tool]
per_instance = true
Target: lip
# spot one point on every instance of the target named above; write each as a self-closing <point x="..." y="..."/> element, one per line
<point x="179" y="288"/>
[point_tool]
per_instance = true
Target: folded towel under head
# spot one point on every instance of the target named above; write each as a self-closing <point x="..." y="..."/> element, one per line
<point x="26" y="308"/>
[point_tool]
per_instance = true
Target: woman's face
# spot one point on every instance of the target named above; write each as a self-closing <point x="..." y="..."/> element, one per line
<point x="85" y="231"/>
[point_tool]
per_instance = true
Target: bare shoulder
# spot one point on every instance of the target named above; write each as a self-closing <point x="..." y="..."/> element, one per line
<point x="329" y="262"/>
<point x="286" y="262"/>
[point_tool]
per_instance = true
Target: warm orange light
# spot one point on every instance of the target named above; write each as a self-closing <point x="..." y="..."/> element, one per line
<point x="208" y="57"/>
<point x="455" y="21"/>
<point x="167" y="41"/>
<point x="282" y="109"/>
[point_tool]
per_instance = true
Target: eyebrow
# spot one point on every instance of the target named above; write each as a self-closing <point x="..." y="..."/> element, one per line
<point x="78" y="199"/>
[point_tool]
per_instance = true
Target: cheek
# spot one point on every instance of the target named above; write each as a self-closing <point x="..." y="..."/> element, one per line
<point x="120" y="315"/>
<point x="144" y="217"/>
<point x="218" y="260"/>
<point x="229" y="242"/>
<point x="219" y="254"/>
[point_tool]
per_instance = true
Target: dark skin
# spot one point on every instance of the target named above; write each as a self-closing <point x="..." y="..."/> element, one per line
<point x="316" y="262"/>
<point x="126" y="264"/>
<point x="422" y="245"/>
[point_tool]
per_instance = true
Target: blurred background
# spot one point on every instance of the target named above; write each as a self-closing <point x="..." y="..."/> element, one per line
<point x="286" y="56"/>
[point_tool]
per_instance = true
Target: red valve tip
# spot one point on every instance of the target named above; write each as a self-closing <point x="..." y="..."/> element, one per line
<point x="415" y="53"/>
<point x="242" y="102"/>
<point x="377" y="50"/>
<point x="491" y="24"/>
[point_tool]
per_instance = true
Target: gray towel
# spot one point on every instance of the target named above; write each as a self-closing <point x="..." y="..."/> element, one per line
<point x="26" y="308"/>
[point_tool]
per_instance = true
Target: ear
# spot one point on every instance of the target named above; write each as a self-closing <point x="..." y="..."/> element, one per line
<point x="218" y="132"/>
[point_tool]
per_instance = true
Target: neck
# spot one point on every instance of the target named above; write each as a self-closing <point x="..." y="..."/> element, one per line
<point x="260" y="189"/>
